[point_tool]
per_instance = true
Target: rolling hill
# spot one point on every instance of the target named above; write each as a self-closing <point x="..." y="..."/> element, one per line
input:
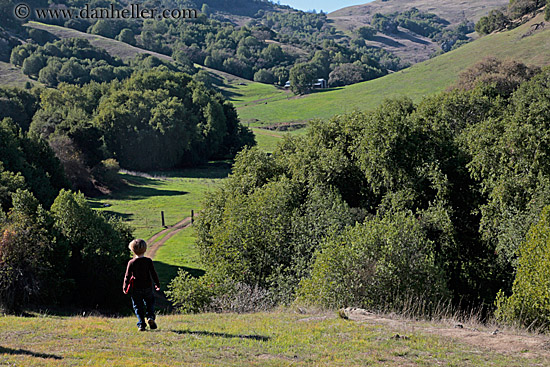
<point x="453" y="11"/>
<point x="420" y="80"/>
<point x="407" y="45"/>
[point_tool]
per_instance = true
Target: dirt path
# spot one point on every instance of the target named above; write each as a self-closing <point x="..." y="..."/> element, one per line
<point x="153" y="243"/>
<point x="501" y="341"/>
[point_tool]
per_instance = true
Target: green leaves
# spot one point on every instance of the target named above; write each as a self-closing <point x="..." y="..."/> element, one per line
<point x="529" y="304"/>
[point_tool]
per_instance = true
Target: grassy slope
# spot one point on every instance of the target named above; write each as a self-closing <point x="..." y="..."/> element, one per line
<point x="451" y="10"/>
<point x="415" y="82"/>
<point x="262" y="339"/>
<point x="12" y="76"/>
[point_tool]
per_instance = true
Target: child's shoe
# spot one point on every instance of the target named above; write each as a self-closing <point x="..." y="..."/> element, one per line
<point x="141" y="328"/>
<point x="152" y="324"/>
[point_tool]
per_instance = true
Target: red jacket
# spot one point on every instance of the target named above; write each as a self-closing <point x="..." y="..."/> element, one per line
<point x="144" y="273"/>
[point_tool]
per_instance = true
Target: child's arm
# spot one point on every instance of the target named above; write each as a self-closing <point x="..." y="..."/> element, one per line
<point x="126" y="279"/>
<point x="155" y="276"/>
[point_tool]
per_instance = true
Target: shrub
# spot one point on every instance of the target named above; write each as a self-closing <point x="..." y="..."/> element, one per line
<point x="98" y="250"/>
<point x="379" y="263"/>
<point x="366" y="32"/>
<point x="192" y="295"/>
<point x="264" y="76"/>
<point x="529" y="304"/>
<point x="216" y="292"/>
<point x="31" y="258"/>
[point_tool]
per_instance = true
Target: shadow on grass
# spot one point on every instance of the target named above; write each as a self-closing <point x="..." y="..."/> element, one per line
<point x="4" y="350"/>
<point x="122" y="216"/>
<point x="217" y="169"/>
<point x="168" y="272"/>
<point x="222" y="335"/>
<point x="137" y="193"/>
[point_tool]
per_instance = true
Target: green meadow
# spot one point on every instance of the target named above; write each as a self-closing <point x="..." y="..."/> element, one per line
<point x="142" y="198"/>
<point x="280" y="338"/>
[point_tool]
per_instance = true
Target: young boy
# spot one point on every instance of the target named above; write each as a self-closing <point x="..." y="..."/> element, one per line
<point x="138" y="282"/>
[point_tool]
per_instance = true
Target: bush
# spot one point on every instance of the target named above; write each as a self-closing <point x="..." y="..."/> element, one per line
<point x="31" y="258"/>
<point x="529" y="304"/>
<point x="107" y="172"/>
<point x="97" y="247"/>
<point x="378" y="264"/>
<point x="216" y="292"/>
<point x="264" y="76"/>
<point x="192" y="295"/>
<point x="366" y="32"/>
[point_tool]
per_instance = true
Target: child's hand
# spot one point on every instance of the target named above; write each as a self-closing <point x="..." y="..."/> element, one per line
<point x="157" y="288"/>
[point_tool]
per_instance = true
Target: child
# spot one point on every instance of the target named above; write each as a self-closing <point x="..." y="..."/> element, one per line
<point x="138" y="282"/>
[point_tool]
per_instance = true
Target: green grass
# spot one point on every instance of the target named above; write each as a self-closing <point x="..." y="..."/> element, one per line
<point x="178" y="252"/>
<point x="141" y="201"/>
<point x="267" y="140"/>
<point x="13" y="76"/>
<point x="279" y="338"/>
<point x="416" y="82"/>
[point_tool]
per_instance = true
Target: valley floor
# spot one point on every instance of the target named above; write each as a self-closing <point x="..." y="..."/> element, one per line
<point x="280" y="338"/>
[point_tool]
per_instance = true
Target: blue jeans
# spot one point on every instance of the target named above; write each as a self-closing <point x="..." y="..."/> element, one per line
<point x="143" y="302"/>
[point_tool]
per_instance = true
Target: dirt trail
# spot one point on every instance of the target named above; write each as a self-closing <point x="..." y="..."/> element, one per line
<point x="153" y="244"/>
<point x="501" y="341"/>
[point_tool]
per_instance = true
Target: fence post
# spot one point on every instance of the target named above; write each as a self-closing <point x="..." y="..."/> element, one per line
<point x="192" y="216"/>
<point x="162" y="216"/>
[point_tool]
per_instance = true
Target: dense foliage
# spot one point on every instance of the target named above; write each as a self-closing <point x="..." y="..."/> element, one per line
<point x="67" y="255"/>
<point x="76" y="61"/>
<point x="428" y="201"/>
<point x="529" y="304"/>
<point x="155" y="119"/>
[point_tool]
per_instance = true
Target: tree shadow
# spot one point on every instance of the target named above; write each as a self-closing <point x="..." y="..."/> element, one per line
<point x="222" y="335"/>
<point x="4" y="350"/>
<point x="412" y="38"/>
<point x="138" y="193"/>
<point x="217" y="169"/>
<point x="122" y="216"/>
<point x="167" y="272"/>
<point x="387" y="41"/>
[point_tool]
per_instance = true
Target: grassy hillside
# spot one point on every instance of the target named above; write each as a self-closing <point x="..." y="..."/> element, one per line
<point x="12" y="76"/>
<point x="453" y="11"/>
<point x="420" y="80"/>
<point x="262" y="339"/>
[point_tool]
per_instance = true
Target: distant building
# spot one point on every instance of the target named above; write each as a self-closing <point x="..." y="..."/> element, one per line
<point x="319" y="84"/>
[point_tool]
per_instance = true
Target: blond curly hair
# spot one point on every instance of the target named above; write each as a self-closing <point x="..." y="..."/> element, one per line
<point x="138" y="246"/>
